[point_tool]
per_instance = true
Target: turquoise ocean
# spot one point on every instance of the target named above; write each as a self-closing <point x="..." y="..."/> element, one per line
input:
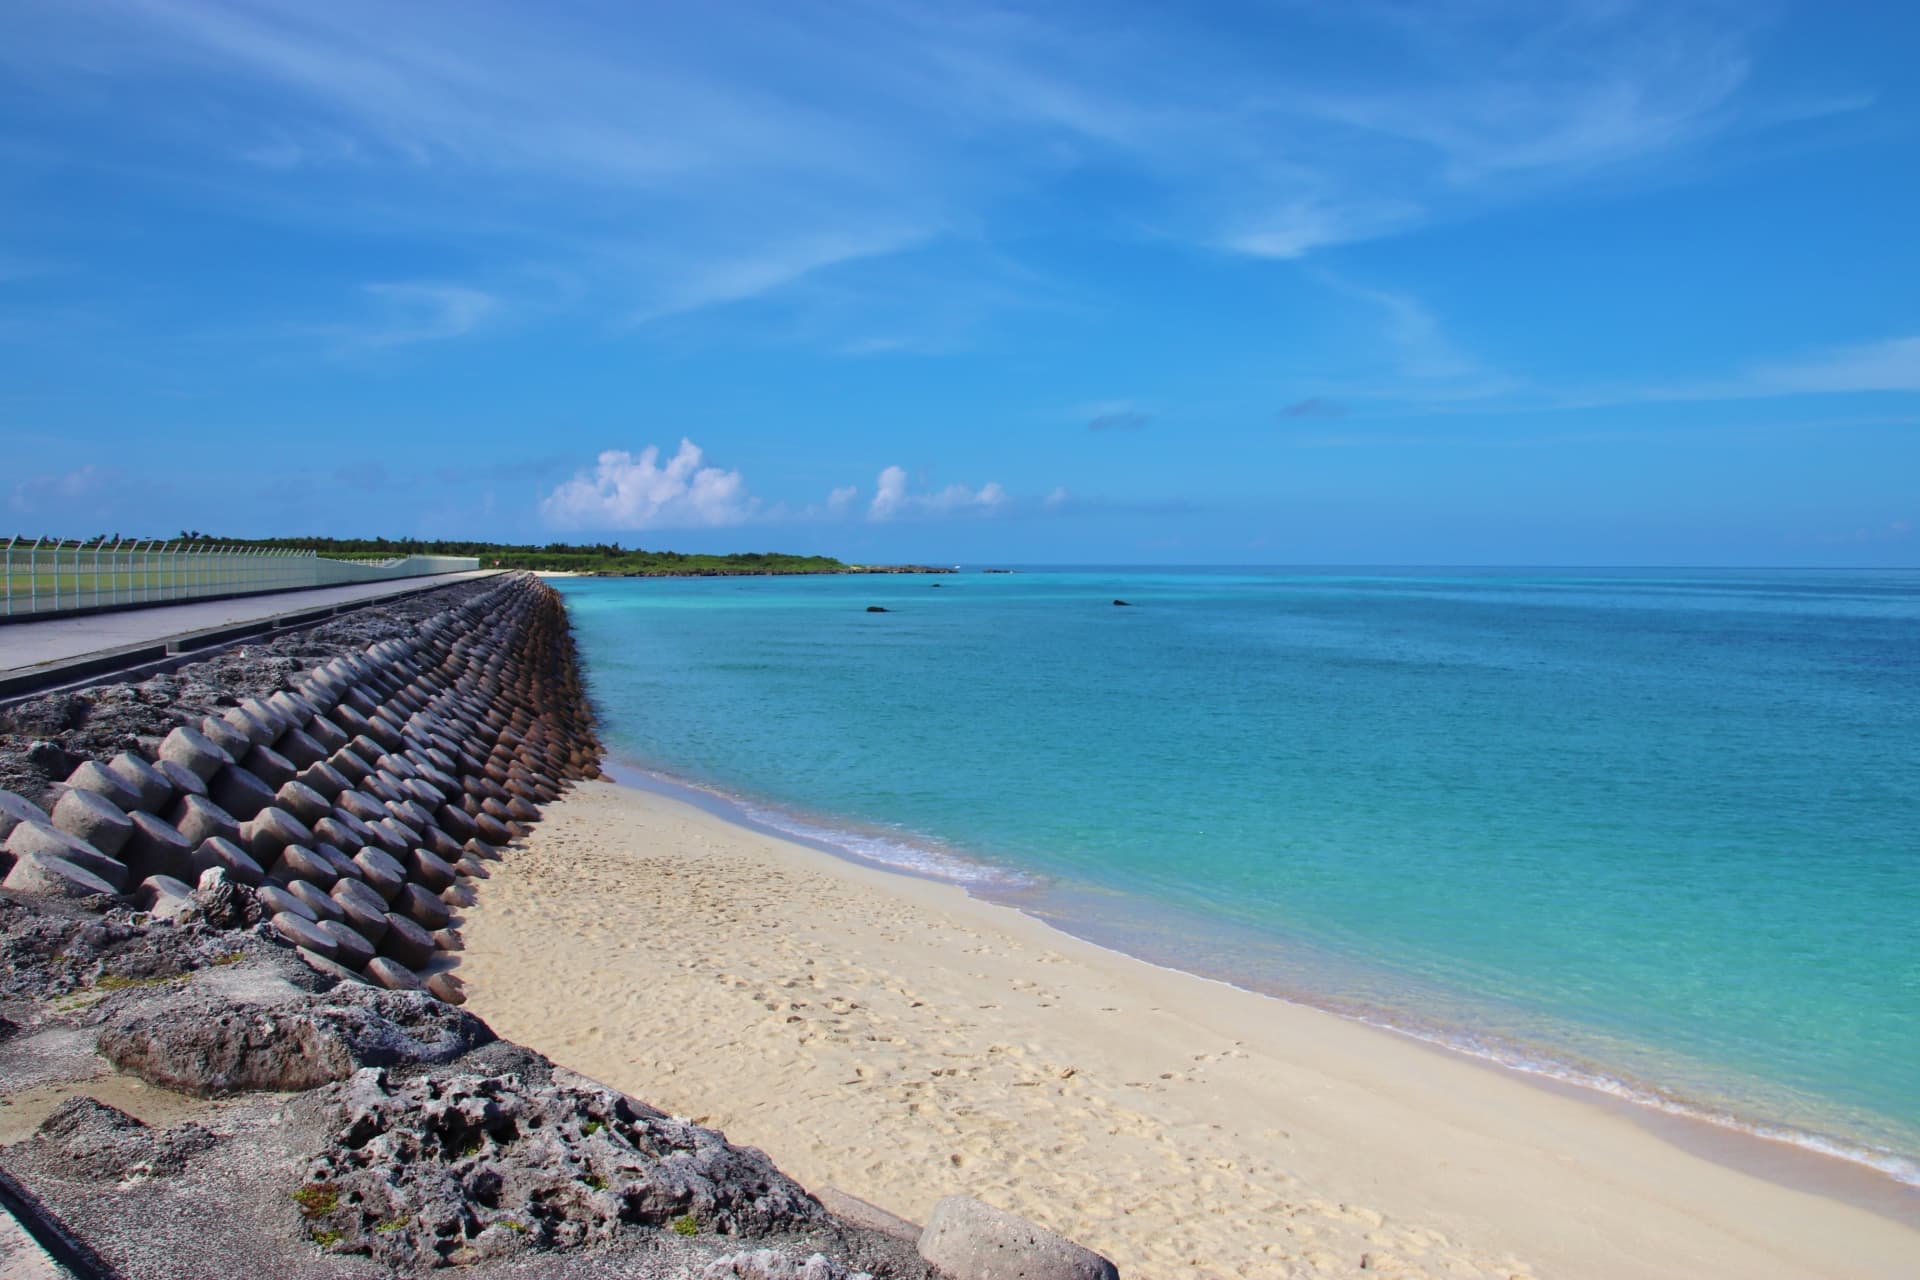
<point x="1653" y="832"/>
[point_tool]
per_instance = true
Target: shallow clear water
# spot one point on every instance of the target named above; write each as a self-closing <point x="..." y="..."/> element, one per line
<point x="1658" y="831"/>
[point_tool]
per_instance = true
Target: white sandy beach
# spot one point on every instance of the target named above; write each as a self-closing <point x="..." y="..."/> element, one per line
<point x="901" y="1041"/>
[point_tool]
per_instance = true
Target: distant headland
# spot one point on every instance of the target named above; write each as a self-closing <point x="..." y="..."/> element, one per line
<point x="600" y="560"/>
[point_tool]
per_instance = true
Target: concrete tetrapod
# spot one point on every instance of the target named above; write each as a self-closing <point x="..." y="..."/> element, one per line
<point x="320" y="906"/>
<point x="44" y="840"/>
<point x="220" y="853"/>
<point x="428" y="911"/>
<point x="391" y="974"/>
<point x="274" y="899"/>
<point x="223" y="735"/>
<point x="151" y="786"/>
<point x="239" y="792"/>
<point x="272" y="830"/>
<point x="93" y="776"/>
<point x="44" y="875"/>
<point x="349" y="948"/>
<point x="362" y="908"/>
<point x="192" y="751"/>
<point x="15" y="810"/>
<point x="185" y="781"/>
<point x="156" y="847"/>
<point x="298" y="931"/>
<point x="407" y="942"/>
<point x="93" y="818"/>
<point x="297" y="862"/>
<point x="199" y="818"/>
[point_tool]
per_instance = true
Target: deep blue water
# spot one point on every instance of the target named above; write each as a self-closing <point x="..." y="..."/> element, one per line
<point x="1657" y="831"/>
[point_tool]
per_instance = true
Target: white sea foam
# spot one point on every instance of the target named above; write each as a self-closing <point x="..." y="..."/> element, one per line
<point x="889" y="851"/>
<point x="1900" y="1168"/>
<point x="927" y="859"/>
<point x="893" y="852"/>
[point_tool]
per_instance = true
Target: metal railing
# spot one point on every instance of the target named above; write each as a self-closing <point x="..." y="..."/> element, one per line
<point x="54" y="575"/>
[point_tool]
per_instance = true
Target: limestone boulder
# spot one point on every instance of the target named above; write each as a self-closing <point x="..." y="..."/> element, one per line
<point x="968" y="1239"/>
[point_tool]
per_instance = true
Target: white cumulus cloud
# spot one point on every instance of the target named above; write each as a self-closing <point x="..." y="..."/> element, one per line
<point x="891" y="498"/>
<point x="625" y="491"/>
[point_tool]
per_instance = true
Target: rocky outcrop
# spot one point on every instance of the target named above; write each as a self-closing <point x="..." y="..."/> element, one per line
<point x="100" y="1143"/>
<point x="207" y="1044"/>
<point x="452" y="1169"/>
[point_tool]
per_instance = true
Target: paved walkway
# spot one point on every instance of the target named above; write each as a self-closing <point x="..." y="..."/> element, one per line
<point x="26" y="645"/>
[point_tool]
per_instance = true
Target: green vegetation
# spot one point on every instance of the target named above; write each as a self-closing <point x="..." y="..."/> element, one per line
<point x="685" y="1226"/>
<point x="326" y="1237"/>
<point x="590" y="1128"/>
<point x="117" y="982"/>
<point x="602" y="557"/>
<point x="317" y="1199"/>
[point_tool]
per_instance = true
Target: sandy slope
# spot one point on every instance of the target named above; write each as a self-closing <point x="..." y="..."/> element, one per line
<point x="902" y="1041"/>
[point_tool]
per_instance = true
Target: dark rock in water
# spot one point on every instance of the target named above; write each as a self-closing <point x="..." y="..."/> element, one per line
<point x="1123" y="604"/>
<point x="450" y="1170"/>
<point x="938" y="585"/>
<point x="874" y="608"/>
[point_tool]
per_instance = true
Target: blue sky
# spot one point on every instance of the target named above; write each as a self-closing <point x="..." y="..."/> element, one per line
<point x="1591" y="282"/>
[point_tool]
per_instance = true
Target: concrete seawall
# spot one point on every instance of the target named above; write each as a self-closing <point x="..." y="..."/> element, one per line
<point x="359" y="802"/>
<point x="228" y="1040"/>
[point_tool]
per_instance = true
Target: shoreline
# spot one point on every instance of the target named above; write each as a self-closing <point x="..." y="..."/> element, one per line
<point x="1354" y="1106"/>
<point x="1795" y="1158"/>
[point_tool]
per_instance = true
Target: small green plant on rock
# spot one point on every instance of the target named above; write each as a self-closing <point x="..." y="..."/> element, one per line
<point x="317" y="1199"/>
<point x="391" y="1225"/>
<point x="120" y="982"/>
<point x="590" y="1128"/>
<point x="326" y="1237"/>
<point x="685" y="1225"/>
<point x="595" y="1181"/>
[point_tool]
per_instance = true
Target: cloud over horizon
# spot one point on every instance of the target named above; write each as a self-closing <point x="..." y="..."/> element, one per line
<point x="625" y="491"/>
<point x="892" y="499"/>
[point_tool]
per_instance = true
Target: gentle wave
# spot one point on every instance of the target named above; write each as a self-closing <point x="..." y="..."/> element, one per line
<point x="1901" y="1169"/>
<point x="886" y="851"/>
<point x="924" y="859"/>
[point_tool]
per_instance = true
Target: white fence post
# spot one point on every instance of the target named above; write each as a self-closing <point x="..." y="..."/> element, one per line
<point x="134" y="571"/>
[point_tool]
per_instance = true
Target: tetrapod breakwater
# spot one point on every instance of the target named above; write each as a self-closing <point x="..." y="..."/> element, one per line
<point x="358" y="804"/>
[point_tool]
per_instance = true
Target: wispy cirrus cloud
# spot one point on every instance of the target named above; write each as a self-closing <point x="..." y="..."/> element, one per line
<point x="1114" y="415"/>
<point x="426" y="313"/>
<point x="1313" y="407"/>
<point x="1879" y="365"/>
<point x="1888" y="364"/>
<point x="688" y="159"/>
<point x="62" y="490"/>
<point x="705" y="284"/>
